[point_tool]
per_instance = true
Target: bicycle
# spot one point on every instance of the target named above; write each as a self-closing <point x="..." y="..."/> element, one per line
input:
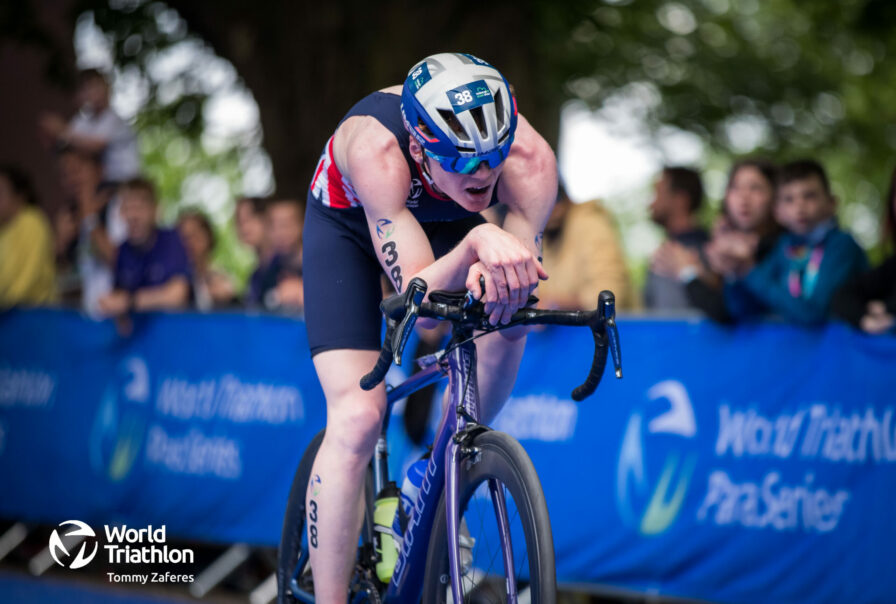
<point x="471" y="469"/>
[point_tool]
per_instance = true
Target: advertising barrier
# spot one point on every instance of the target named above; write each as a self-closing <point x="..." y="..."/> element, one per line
<point x="739" y="465"/>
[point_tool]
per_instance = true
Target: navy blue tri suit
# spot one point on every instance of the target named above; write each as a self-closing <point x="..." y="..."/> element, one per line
<point x="341" y="268"/>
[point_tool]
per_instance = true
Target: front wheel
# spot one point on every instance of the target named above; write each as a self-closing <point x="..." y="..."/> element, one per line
<point x="501" y="460"/>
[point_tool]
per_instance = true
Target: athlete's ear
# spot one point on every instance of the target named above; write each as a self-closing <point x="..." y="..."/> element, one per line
<point x="415" y="149"/>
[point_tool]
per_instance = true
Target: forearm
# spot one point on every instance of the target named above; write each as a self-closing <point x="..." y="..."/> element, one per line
<point x="103" y="245"/>
<point x="450" y="271"/>
<point x="174" y="293"/>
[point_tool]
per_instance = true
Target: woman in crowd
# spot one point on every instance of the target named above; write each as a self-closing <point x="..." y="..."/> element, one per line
<point x="212" y="288"/>
<point x="744" y="233"/>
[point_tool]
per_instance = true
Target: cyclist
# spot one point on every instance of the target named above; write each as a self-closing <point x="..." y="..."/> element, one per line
<point x="399" y="188"/>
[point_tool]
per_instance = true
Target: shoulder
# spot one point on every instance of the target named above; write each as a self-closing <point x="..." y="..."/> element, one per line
<point x="369" y="155"/>
<point x="32" y="224"/>
<point x="529" y="178"/>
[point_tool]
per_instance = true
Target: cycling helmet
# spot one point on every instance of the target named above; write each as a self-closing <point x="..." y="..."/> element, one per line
<point x="460" y="110"/>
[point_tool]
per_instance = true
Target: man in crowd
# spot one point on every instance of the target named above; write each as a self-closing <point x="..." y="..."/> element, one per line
<point x="27" y="273"/>
<point x="96" y="129"/>
<point x="678" y="197"/>
<point x="277" y="282"/>
<point x="152" y="270"/>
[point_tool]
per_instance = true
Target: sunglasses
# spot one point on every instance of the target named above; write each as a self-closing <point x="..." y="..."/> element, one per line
<point x="468" y="165"/>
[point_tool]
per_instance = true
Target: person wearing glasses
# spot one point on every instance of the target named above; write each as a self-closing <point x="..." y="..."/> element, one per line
<point x="398" y="189"/>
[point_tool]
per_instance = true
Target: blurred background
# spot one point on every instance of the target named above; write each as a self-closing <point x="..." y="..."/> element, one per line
<point x="220" y="111"/>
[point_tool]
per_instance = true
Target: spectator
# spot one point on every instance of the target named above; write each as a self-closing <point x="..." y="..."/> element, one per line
<point x="211" y="287"/>
<point x="277" y="283"/>
<point x="152" y="271"/>
<point x="868" y="301"/>
<point x="678" y="197"/>
<point x="96" y="129"/>
<point x="27" y="274"/>
<point x="799" y="276"/>
<point x="582" y="254"/>
<point x="101" y="228"/>
<point x="66" y="231"/>
<point x="249" y="221"/>
<point x="744" y="234"/>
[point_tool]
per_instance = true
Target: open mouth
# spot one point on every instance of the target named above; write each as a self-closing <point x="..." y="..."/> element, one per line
<point x="476" y="190"/>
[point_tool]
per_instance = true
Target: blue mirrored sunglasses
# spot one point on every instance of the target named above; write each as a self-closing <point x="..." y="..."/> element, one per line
<point x="468" y="165"/>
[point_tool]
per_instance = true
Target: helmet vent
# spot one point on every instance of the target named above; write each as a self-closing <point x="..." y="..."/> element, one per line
<point x="479" y="118"/>
<point x="499" y="109"/>
<point x="454" y="124"/>
<point x="424" y="128"/>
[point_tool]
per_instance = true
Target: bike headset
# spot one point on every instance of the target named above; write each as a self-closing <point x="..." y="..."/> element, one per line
<point x="461" y="111"/>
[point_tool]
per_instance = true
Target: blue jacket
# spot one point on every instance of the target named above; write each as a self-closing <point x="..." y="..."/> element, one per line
<point x="766" y="288"/>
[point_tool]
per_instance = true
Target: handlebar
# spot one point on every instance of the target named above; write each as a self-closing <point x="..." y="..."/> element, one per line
<point x="402" y="310"/>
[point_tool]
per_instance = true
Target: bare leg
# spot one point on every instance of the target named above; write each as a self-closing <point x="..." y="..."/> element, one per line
<point x="335" y="507"/>
<point x="498" y="360"/>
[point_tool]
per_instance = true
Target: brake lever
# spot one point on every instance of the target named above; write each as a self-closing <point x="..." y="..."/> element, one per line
<point x="608" y="313"/>
<point x="413" y="299"/>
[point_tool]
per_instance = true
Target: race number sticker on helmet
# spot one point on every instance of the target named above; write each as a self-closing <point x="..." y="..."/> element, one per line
<point x="474" y="94"/>
<point x="419" y="77"/>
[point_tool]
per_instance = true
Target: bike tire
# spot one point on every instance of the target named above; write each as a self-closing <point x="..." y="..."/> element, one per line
<point x="293" y="533"/>
<point x="503" y="458"/>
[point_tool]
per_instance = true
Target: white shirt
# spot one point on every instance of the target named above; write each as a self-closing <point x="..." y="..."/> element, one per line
<point x="121" y="160"/>
<point x="96" y="276"/>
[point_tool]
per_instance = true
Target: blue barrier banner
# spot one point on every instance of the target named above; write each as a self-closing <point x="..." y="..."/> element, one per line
<point x="737" y="465"/>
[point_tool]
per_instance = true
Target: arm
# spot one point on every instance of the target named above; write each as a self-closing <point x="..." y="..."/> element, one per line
<point x="173" y="294"/>
<point x="842" y="258"/>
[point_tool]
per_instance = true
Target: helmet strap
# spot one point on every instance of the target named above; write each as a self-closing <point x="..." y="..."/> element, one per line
<point x="424" y="168"/>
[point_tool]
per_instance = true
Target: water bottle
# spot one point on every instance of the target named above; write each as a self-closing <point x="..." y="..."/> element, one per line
<point x="410" y="488"/>
<point x="384" y="512"/>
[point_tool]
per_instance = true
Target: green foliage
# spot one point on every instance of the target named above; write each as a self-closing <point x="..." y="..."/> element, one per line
<point x="779" y="78"/>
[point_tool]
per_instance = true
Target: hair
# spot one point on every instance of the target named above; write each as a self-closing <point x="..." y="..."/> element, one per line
<point x="88" y="75"/>
<point x="140" y="184"/>
<point x="891" y="210"/>
<point x="204" y="223"/>
<point x="803" y="169"/>
<point x="95" y="159"/>
<point x="768" y="170"/>
<point x="686" y="181"/>
<point x="258" y="204"/>
<point x="20" y="183"/>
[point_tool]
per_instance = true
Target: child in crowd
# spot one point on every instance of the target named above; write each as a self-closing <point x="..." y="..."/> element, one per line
<point x="869" y="300"/>
<point x="810" y="261"/>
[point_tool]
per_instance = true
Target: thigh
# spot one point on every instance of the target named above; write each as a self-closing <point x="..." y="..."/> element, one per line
<point x="342" y="281"/>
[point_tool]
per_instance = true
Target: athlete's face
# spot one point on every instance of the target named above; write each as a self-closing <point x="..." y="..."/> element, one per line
<point x="472" y="192"/>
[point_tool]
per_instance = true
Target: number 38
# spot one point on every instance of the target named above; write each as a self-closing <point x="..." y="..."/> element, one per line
<point x="463" y="97"/>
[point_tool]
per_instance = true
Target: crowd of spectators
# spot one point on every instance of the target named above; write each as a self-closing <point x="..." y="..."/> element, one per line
<point x="775" y="249"/>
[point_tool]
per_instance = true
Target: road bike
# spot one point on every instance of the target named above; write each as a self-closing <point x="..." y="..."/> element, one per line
<point x="479" y="530"/>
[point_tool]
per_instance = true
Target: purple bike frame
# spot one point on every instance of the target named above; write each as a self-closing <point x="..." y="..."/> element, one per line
<point x="444" y="467"/>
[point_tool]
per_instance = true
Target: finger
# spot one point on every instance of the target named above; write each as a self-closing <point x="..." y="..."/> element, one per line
<point x="532" y="273"/>
<point x="513" y="285"/>
<point x="472" y="283"/>
<point x="526" y="285"/>
<point x="488" y="296"/>
<point x="507" y="314"/>
<point x="500" y="289"/>
<point x="542" y="274"/>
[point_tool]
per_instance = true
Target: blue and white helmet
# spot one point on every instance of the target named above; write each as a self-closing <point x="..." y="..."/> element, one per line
<point x="460" y="109"/>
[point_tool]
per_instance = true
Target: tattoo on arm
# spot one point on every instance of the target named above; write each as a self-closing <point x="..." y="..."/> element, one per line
<point x="314" y="487"/>
<point x="539" y="243"/>
<point x="385" y="228"/>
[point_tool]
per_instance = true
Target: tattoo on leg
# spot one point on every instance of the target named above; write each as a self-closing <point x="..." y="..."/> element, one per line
<point x="314" y="487"/>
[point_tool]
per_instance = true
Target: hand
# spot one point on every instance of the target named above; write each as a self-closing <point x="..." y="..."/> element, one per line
<point x="719" y="260"/>
<point x="115" y="303"/>
<point x="671" y="258"/>
<point x="291" y="293"/>
<point x="876" y="324"/>
<point x="510" y="270"/>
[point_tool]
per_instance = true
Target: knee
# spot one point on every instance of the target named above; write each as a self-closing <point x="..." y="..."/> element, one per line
<point x="354" y="427"/>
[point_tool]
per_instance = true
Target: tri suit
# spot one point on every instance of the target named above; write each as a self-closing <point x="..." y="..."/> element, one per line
<point x="340" y="265"/>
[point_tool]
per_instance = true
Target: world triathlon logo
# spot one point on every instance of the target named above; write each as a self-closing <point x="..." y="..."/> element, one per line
<point x="83" y="535"/>
<point x="656" y="462"/>
<point x="384" y="228"/>
<point x="119" y="428"/>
